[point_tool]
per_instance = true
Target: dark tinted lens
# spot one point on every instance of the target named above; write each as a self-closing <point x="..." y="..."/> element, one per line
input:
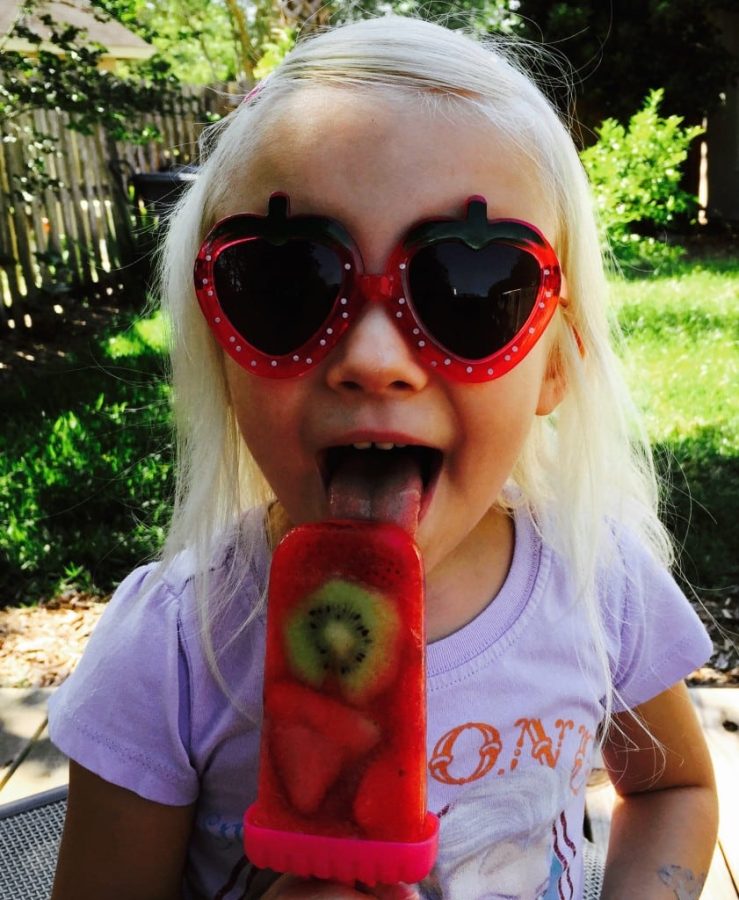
<point x="473" y="302"/>
<point x="277" y="295"/>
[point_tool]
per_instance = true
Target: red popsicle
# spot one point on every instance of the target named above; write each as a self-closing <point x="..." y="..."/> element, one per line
<point x="342" y="782"/>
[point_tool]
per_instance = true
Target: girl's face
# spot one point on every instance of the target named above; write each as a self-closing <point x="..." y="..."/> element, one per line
<point x="379" y="167"/>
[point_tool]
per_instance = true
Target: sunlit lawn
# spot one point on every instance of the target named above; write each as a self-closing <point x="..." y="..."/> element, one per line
<point x="683" y="358"/>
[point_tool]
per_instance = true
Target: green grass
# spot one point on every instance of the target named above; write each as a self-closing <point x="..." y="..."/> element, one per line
<point x="682" y="362"/>
<point x="144" y="337"/>
<point x="85" y="452"/>
<point x="682" y="337"/>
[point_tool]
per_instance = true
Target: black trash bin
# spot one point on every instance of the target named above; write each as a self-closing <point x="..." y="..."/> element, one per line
<point x="159" y="191"/>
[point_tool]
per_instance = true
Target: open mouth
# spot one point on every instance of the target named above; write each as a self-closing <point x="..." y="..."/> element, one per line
<point x="381" y="481"/>
<point x="379" y="457"/>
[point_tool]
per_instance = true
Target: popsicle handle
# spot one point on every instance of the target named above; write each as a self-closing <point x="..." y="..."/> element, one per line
<point x="341" y="859"/>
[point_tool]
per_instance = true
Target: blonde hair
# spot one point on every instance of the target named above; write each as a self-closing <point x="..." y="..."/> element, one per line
<point x="583" y="470"/>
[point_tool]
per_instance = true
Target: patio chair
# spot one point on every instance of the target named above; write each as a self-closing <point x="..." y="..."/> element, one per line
<point x="30" y="831"/>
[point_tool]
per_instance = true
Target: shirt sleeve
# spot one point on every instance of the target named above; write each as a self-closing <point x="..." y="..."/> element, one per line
<point x="658" y="637"/>
<point x="124" y="712"/>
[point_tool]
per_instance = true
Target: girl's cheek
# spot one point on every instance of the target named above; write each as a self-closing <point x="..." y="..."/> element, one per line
<point x="258" y="403"/>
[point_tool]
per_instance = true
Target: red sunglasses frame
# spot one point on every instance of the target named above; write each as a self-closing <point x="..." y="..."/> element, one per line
<point x="390" y="288"/>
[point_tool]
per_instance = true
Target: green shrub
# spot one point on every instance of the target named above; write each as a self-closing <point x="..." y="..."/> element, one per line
<point x="85" y="468"/>
<point x="635" y="175"/>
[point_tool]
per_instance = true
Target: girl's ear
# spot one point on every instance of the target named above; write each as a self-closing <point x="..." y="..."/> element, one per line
<point x="554" y="383"/>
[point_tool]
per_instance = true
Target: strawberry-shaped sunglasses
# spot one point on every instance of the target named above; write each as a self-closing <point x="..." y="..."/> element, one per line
<point x="471" y="296"/>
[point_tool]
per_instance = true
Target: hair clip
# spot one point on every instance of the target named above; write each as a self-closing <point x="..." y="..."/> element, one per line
<point x="255" y="91"/>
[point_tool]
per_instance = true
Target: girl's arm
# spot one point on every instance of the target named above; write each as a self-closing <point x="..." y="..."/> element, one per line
<point x="665" y="820"/>
<point x="119" y="846"/>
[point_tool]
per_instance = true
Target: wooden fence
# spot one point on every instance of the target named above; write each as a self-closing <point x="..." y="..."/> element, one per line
<point x="77" y="230"/>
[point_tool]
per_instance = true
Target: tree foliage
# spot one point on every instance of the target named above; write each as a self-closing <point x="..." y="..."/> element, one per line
<point x="622" y="49"/>
<point x="618" y="50"/>
<point x="206" y="41"/>
<point x="70" y="79"/>
<point x="223" y="40"/>
<point x="196" y="38"/>
<point x="480" y="16"/>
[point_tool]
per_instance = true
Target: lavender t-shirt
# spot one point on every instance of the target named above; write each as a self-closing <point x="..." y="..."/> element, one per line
<point x="514" y="703"/>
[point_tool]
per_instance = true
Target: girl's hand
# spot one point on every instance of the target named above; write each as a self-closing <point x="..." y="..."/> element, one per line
<point x="288" y="887"/>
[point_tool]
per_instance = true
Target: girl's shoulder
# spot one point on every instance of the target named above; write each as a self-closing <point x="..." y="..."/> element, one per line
<point x="655" y="635"/>
<point x="630" y="569"/>
<point x="235" y="572"/>
<point x="621" y="560"/>
<point x="240" y="559"/>
<point x="638" y="613"/>
<point x="182" y="609"/>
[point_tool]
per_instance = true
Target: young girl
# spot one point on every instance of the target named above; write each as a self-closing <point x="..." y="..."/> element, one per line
<point x="440" y="374"/>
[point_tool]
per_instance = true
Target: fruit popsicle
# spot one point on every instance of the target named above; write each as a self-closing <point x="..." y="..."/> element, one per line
<point x="342" y="781"/>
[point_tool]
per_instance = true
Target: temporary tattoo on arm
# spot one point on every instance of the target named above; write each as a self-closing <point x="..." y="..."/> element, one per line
<point x="685" y="884"/>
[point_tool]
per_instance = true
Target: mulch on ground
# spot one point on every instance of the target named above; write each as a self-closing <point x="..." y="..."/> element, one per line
<point x="41" y="645"/>
<point x="720" y="615"/>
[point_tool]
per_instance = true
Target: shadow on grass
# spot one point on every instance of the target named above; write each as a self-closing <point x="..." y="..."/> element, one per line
<point x="702" y="516"/>
<point x="682" y="254"/>
<point x="700" y="511"/>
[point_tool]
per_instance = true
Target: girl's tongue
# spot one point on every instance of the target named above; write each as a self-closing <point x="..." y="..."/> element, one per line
<point x="383" y="485"/>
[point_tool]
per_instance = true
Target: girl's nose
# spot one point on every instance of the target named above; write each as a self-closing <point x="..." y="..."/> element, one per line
<point x="374" y="357"/>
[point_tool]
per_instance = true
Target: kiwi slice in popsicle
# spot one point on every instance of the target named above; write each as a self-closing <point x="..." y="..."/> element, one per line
<point x="346" y="634"/>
